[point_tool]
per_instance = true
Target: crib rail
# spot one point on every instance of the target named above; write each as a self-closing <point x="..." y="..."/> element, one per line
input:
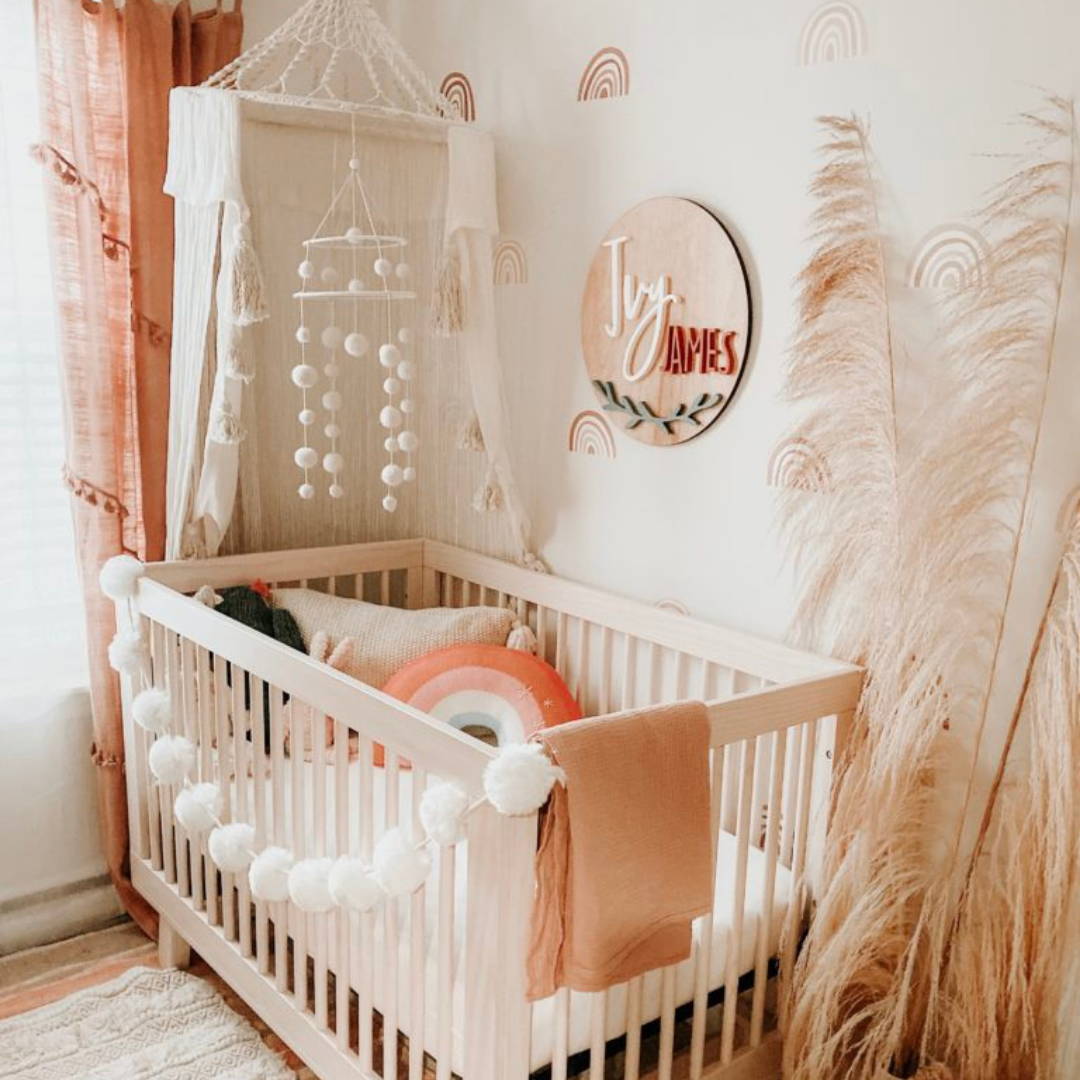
<point x="432" y="986"/>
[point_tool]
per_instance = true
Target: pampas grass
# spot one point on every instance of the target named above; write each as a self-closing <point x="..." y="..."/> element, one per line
<point x="889" y="978"/>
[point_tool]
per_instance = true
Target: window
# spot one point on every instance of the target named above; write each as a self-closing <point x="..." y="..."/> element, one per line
<point x="41" y="634"/>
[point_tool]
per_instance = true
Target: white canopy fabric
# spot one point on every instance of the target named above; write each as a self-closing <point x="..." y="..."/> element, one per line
<point x="251" y="178"/>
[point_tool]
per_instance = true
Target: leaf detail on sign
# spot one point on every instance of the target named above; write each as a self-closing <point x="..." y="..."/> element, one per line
<point x="640" y="412"/>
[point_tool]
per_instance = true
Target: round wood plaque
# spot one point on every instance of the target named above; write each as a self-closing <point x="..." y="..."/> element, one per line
<point x="665" y="321"/>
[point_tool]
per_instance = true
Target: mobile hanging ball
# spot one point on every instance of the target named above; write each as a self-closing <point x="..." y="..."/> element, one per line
<point x="389" y="355"/>
<point x="356" y="344"/>
<point x="306" y="417"/>
<point x="306" y="457"/>
<point x="332" y="337"/>
<point x="328" y="275"/>
<point x="407" y="370"/>
<point x="354" y="164"/>
<point x="401" y="271"/>
<point x="391" y="475"/>
<point x="331" y="400"/>
<point x="390" y="444"/>
<point x="306" y="491"/>
<point x="331" y="371"/>
<point x="389" y="504"/>
<point x="354" y="234"/>
<point x="408" y="441"/>
<point x="391" y="385"/>
<point x="404" y="335"/>
<point x="406" y="405"/>
<point x="332" y="431"/>
<point x="303" y="335"/>
<point x="306" y="269"/>
<point x="305" y="376"/>
<point x="356" y="285"/>
<point x="336" y="491"/>
<point x="389" y="417"/>
<point x="409" y="474"/>
<point x="383" y="267"/>
<point x="333" y="462"/>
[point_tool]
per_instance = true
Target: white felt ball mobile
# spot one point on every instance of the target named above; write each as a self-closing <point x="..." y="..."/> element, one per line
<point x="339" y="325"/>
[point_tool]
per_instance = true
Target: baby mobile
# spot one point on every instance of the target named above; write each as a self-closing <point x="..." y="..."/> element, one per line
<point x="517" y="781"/>
<point x="345" y="247"/>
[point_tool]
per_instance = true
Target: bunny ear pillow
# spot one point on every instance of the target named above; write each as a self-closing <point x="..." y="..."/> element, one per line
<point x="516" y="782"/>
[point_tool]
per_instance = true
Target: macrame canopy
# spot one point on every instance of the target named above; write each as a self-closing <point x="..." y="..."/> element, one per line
<point x="339" y="54"/>
<point x="332" y="70"/>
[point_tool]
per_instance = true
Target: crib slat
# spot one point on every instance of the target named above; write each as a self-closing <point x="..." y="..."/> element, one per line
<point x="629" y="696"/>
<point x="802" y="829"/>
<point x="731" y="980"/>
<point x="343" y="919"/>
<point x="320" y="923"/>
<point x="772" y="852"/>
<point x="224" y="778"/>
<point x="667" y="1023"/>
<point x="417" y="1013"/>
<point x="391" y="933"/>
<point x="703" y="957"/>
<point x="244" y="804"/>
<point x="208" y="871"/>
<point x="633" y="1028"/>
<point x="597" y="1041"/>
<point x="562" y="1033"/>
<point x="257" y="718"/>
<point x="445" y="963"/>
<point x="183" y="724"/>
<point x="365" y="992"/>
<point x="604" y="702"/>
<point x="384" y="588"/>
<point x="153" y="796"/>
<point x="791" y="796"/>
<point x="297" y="918"/>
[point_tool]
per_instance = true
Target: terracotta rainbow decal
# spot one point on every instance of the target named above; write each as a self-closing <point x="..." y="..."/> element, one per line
<point x="510" y="265"/>
<point x="1070" y="507"/>
<point x="796" y="464"/>
<point x="606" y="75"/>
<point x="677" y="606"/>
<point x="949" y="257"/>
<point x="590" y="434"/>
<point x="457" y="89"/>
<point x="835" y="31"/>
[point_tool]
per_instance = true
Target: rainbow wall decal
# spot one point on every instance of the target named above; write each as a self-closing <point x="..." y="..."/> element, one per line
<point x="835" y="31"/>
<point x="457" y="89"/>
<point x="590" y="434"/>
<point x="1069" y="509"/>
<point x="510" y="265"/>
<point x="606" y="75"/>
<point x="796" y="464"/>
<point x="949" y="257"/>
<point x="677" y="606"/>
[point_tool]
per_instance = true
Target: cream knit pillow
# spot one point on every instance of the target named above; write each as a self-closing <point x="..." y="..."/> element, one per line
<point x="387" y="637"/>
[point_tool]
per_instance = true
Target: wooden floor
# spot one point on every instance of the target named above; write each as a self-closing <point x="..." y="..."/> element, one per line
<point x="40" y="976"/>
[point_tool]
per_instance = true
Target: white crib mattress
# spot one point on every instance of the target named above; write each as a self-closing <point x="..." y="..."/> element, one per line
<point x="543" y="1013"/>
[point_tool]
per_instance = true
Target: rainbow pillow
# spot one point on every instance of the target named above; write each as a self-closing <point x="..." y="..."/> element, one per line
<point x="497" y="694"/>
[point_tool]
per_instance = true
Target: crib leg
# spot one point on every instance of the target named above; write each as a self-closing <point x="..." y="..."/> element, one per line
<point x="173" y="950"/>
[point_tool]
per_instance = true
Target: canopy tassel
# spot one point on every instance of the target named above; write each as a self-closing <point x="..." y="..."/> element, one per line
<point x="449" y="294"/>
<point x="248" y="288"/>
<point x="488" y="497"/>
<point x="470" y="437"/>
<point x="225" y="426"/>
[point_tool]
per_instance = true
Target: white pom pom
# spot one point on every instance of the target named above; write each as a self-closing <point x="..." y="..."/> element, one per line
<point x="303" y="334"/>
<point x="304" y="375"/>
<point x="336" y="491"/>
<point x="306" y="417"/>
<point x="401" y="271"/>
<point x="391" y="385"/>
<point x="383" y="267"/>
<point x="408" y="441"/>
<point x="404" y="335"/>
<point x="399" y="867"/>
<point x="198" y="807"/>
<point x="306" y="269"/>
<point x="407" y="369"/>
<point x="389" y="417"/>
<point x="389" y="355"/>
<point x="442" y="813"/>
<point x="390" y="444"/>
<point x="119" y="576"/>
<point x="306" y="457"/>
<point x="354" y="163"/>
<point x="356" y="285"/>
<point x="356" y="344"/>
<point x="269" y="874"/>
<point x="354" y="234"/>
<point x="353" y="886"/>
<point x="332" y="400"/>
<point x="306" y="491"/>
<point x="392" y="475"/>
<point x="520" y="779"/>
<point x="152" y="710"/>
<point x="231" y="846"/>
<point x="389" y="503"/>
<point x="171" y="758"/>
<point x="309" y="885"/>
<point x="332" y="431"/>
<point x="331" y="371"/>
<point x="329" y="275"/>
<point x="333" y="462"/>
<point x="408" y="474"/>
<point x="128" y="652"/>
<point x="332" y="337"/>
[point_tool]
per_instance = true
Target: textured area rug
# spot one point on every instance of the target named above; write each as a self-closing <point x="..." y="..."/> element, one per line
<point x="145" y="1025"/>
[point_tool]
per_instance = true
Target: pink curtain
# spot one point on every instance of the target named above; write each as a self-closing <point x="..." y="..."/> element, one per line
<point x="105" y="75"/>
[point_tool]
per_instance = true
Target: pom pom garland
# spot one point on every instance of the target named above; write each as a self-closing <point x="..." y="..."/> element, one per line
<point x="231" y="846"/>
<point x="352" y="885"/>
<point x="119" y="576"/>
<point x="309" y="885"/>
<point x="442" y="813"/>
<point x="128" y="651"/>
<point x="269" y="874"/>
<point x="399" y="867"/>
<point x="520" y="779"/>
<point x="152" y="710"/>
<point x="171" y="758"/>
<point x="197" y="807"/>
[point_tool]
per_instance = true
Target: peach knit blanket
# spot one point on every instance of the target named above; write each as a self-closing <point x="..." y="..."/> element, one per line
<point x="625" y="857"/>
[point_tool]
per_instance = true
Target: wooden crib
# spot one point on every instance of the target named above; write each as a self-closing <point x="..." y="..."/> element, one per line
<point x="432" y="986"/>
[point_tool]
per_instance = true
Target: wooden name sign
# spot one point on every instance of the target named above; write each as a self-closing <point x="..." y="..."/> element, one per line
<point x="665" y="321"/>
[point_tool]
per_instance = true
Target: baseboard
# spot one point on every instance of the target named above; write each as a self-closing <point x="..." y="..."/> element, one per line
<point x="54" y="914"/>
